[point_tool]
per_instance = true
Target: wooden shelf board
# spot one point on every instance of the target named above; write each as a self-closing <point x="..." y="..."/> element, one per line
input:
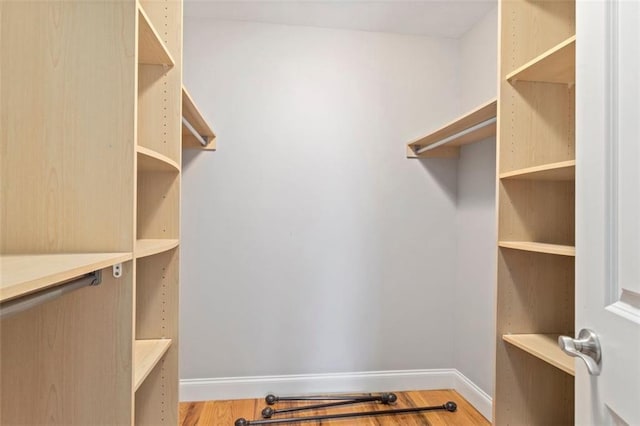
<point x="545" y="347"/>
<point x="23" y="274"/>
<point x="556" y="65"/>
<point x="539" y="247"/>
<point x="193" y="115"/>
<point x="149" y="247"/>
<point x="151" y="49"/>
<point x="147" y="353"/>
<point x="151" y="161"/>
<point x="467" y="121"/>
<point x="561" y="171"/>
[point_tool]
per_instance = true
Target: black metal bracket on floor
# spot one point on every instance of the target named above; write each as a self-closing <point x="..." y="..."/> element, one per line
<point x="448" y="406"/>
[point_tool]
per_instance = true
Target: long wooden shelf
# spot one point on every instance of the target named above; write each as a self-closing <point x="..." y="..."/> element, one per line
<point x="151" y="49"/>
<point x="27" y="273"/>
<point x="151" y="161"/>
<point x="149" y="247"/>
<point x="561" y="171"/>
<point x="444" y="142"/>
<point x="556" y="65"/>
<point x="539" y="247"/>
<point x="545" y="347"/>
<point x="147" y="353"/>
<point x="193" y="115"/>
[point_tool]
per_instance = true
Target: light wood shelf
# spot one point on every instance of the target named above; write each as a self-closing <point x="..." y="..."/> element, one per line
<point x="539" y="247"/>
<point x="147" y="353"/>
<point x="149" y="247"/>
<point x="151" y="49"/>
<point x="556" y="65"/>
<point x="544" y="347"/>
<point x="28" y="273"/>
<point x="561" y="171"/>
<point x="193" y="115"/>
<point x="450" y="131"/>
<point x="151" y="161"/>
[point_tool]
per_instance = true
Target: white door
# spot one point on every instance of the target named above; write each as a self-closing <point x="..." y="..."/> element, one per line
<point x="608" y="207"/>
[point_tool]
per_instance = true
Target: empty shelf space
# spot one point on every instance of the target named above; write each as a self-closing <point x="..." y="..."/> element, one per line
<point x="472" y="127"/>
<point x="149" y="247"/>
<point x="151" y="161"/>
<point x="539" y="247"/>
<point x="564" y="170"/>
<point x="545" y="347"/>
<point x="27" y="273"/>
<point x="147" y="353"/>
<point x="196" y="130"/>
<point x="151" y="49"/>
<point x="556" y="65"/>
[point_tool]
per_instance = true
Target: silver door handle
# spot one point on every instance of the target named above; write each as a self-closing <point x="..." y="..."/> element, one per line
<point x="585" y="347"/>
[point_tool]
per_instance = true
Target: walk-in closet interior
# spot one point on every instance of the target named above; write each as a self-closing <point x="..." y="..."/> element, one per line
<point x="389" y="203"/>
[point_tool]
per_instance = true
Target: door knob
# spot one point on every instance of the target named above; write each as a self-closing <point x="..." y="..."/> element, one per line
<point x="585" y="347"/>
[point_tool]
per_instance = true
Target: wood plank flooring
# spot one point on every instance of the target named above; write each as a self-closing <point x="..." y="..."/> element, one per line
<point x="225" y="413"/>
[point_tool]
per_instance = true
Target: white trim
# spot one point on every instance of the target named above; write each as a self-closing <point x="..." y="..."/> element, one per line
<point x="472" y="393"/>
<point x="369" y="381"/>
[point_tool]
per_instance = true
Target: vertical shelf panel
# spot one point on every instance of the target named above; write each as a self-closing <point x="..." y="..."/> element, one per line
<point x="75" y="169"/>
<point x="67" y="167"/>
<point x="74" y="353"/>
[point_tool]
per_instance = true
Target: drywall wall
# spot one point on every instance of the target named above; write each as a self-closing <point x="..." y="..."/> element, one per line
<point x="476" y="215"/>
<point x="310" y="244"/>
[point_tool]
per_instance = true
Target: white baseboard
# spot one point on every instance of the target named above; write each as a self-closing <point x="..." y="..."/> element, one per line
<point x="472" y="393"/>
<point x="300" y="384"/>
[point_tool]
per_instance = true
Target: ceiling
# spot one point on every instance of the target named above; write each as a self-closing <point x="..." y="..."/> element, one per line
<point x="445" y="18"/>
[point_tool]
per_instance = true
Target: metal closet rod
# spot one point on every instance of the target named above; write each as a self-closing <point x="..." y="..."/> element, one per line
<point x="457" y="135"/>
<point x="202" y="139"/>
<point x="21" y="304"/>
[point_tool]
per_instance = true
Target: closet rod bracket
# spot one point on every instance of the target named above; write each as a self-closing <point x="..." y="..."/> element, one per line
<point x="117" y="270"/>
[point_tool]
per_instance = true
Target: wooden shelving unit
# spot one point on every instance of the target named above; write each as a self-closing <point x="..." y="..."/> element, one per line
<point x="151" y="49"/>
<point x="197" y="127"/>
<point x="147" y="354"/>
<point x="563" y="170"/>
<point x="25" y="274"/>
<point x="149" y="247"/>
<point x="556" y="65"/>
<point x="110" y="351"/>
<point x="536" y="204"/>
<point x="544" y="347"/>
<point x="445" y="141"/>
<point x="539" y="247"/>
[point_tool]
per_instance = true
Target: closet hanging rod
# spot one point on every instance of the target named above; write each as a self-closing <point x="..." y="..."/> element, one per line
<point x="15" y="306"/>
<point x="457" y="135"/>
<point x="202" y="139"/>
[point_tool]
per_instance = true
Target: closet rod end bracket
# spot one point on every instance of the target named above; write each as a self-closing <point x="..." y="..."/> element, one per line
<point x="117" y="270"/>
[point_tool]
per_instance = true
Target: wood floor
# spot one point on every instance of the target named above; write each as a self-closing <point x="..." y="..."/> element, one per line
<point x="225" y="413"/>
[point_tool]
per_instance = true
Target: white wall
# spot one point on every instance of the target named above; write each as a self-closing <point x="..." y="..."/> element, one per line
<point x="309" y="243"/>
<point x="476" y="216"/>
